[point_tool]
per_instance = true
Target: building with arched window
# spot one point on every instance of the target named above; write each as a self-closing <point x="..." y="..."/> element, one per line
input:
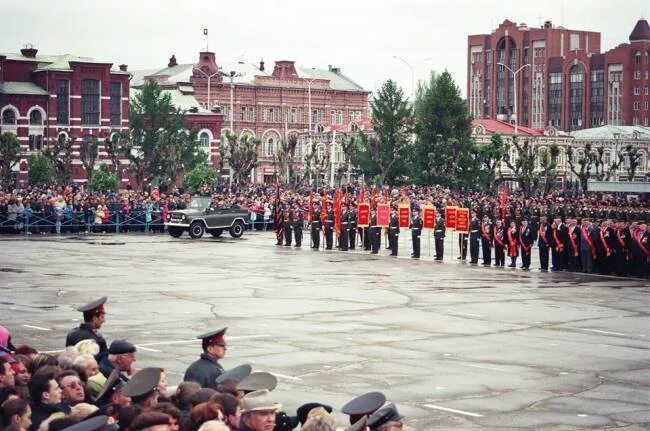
<point x="43" y="97"/>
<point x="563" y="80"/>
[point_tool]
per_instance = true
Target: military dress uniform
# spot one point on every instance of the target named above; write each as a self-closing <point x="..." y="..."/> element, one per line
<point x="526" y="242"/>
<point x="315" y="229"/>
<point x="474" y="237"/>
<point x="287" y="227"/>
<point x="298" y="221"/>
<point x="416" y="233"/>
<point x="542" y="245"/>
<point x="439" y="238"/>
<point x="329" y="230"/>
<point x="486" y="242"/>
<point x="393" y="234"/>
<point x="85" y="331"/>
<point x="345" y="227"/>
<point x="500" y="246"/>
<point x="206" y="369"/>
<point x="352" y="229"/>
<point x="573" y="252"/>
<point x="375" y="234"/>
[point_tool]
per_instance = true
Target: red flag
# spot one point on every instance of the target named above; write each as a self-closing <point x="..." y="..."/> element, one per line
<point x="323" y="209"/>
<point x="504" y="202"/>
<point x="337" y="213"/>
<point x="373" y="198"/>
<point x="311" y="206"/>
<point x="278" y="215"/>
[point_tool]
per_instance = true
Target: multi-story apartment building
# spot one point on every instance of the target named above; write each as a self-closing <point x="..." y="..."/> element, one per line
<point x="556" y="78"/>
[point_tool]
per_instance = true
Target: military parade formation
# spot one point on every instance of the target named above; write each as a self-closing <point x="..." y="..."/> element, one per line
<point x="93" y="385"/>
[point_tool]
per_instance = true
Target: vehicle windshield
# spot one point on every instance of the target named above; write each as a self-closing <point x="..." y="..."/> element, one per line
<point x="200" y="203"/>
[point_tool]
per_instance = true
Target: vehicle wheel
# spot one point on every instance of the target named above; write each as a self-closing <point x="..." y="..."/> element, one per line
<point x="237" y="229"/>
<point x="216" y="232"/>
<point x="175" y="232"/>
<point x="196" y="230"/>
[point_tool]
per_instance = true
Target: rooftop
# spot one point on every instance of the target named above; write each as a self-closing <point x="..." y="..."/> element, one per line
<point x="23" y="88"/>
<point x="613" y="132"/>
<point x="54" y="62"/>
<point x="641" y="31"/>
<point x="485" y="126"/>
<point x="185" y="102"/>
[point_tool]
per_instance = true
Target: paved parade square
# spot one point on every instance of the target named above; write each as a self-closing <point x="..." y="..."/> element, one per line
<point x="455" y="346"/>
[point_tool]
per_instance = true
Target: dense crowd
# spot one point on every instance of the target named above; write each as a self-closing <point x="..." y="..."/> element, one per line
<point x="93" y="385"/>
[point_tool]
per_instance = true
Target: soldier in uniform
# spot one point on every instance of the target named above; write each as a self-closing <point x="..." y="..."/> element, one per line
<point x="363" y="405"/>
<point x="574" y="241"/>
<point x="416" y="232"/>
<point x="94" y="318"/>
<point x="329" y="227"/>
<point x="486" y="240"/>
<point x="315" y="227"/>
<point x="500" y="246"/>
<point x="393" y="231"/>
<point x="352" y="227"/>
<point x="625" y="245"/>
<point x="345" y="228"/>
<point x="513" y="239"/>
<point x="298" y="222"/>
<point x="525" y="242"/>
<point x="374" y="232"/>
<point x="279" y="228"/>
<point x="207" y="368"/>
<point x="439" y="236"/>
<point x="543" y="242"/>
<point x="287" y="226"/>
<point x="587" y="247"/>
<point x="558" y="240"/>
<point x="474" y="237"/>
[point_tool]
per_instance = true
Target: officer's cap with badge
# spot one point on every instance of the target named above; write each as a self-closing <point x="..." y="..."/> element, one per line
<point x="112" y="385"/>
<point x="363" y="405"/>
<point x="259" y="380"/>
<point x="95" y="423"/>
<point x="93" y="308"/>
<point x="142" y="384"/>
<point x="213" y="338"/>
<point x="384" y="415"/>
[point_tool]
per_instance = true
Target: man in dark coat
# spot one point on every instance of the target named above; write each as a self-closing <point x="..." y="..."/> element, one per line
<point x="474" y="237"/>
<point x="526" y="242"/>
<point x="46" y="397"/>
<point x="352" y="227"/>
<point x="315" y="227"/>
<point x="298" y="221"/>
<point x="94" y="318"/>
<point x="439" y="236"/>
<point x="487" y="230"/>
<point x="207" y="368"/>
<point x="345" y="229"/>
<point x="543" y="230"/>
<point x="329" y="227"/>
<point x="393" y="232"/>
<point x="416" y="232"/>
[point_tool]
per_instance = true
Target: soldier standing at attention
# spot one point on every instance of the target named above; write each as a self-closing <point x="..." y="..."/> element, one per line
<point x="375" y="232"/>
<point x="206" y="369"/>
<point x="439" y="236"/>
<point x="352" y="227"/>
<point x="416" y="232"/>
<point x="329" y="227"/>
<point x="287" y="226"/>
<point x="474" y="237"/>
<point x="315" y="227"/>
<point x="393" y="232"/>
<point x="94" y="318"/>
<point x="486" y="240"/>
<point x="345" y="226"/>
<point x="500" y="246"/>
<point x="526" y="242"/>
<point x="298" y="221"/>
<point x="542" y="243"/>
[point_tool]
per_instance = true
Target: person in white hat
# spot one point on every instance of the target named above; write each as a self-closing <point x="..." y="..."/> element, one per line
<point x="258" y="411"/>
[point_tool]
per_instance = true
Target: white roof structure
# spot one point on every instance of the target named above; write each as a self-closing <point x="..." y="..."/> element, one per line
<point x="24" y="88"/>
<point x="59" y="62"/>
<point x="185" y="102"/>
<point x="605" y="133"/>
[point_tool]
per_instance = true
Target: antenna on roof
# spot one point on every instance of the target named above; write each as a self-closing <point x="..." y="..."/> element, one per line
<point x="205" y="33"/>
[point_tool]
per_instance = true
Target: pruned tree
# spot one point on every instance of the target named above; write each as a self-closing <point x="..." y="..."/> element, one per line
<point x="240" y="154"/>
<point x="605" y="170"/>
<point x="548" y="163"/>
<point x="633" y="158"/>
<point x="522" y="164"/>
<point x="59" y="153"/>
<point x="349" y="148"/>
<point x="88" y="153"/>
<point x="581" y="164"/>
<point x="10" y="151"/>
<point x="284" y="158"/>
<point x="116" y="151"/>
<point x="492" y="156"/>
<point x="315" y="162"/>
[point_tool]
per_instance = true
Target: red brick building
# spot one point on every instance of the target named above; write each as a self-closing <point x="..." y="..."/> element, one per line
<point x="568" y="83"/>
<point x="270" y="105"/>
<point x="46" y="97"/>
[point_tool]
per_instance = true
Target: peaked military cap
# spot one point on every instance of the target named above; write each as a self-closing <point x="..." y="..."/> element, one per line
<point x="120" y="347"/>
<point x="113" y="383"/>
<point x="97" y="305"/>
<point x="92" y="424"/>
<point x="257" y="381"/>
<point x="238" y="373"/>
<point x="359" y="425"/>
<point x="384" y="415"/>
<point x="214" y="337"/>
<point x="363" y="405"/>
<point x="303" y="410"/>
<point x="143" y="382"/>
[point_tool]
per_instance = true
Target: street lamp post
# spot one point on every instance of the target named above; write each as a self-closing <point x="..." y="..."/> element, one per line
<point x="412" y="69"/>
<point x="232" y="75"/>
<point x="309" y="82"/>
<point x="209" y="79"/>
<point x="514" y="83"/>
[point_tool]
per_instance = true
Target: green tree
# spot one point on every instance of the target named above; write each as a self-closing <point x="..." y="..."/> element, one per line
<point x="349" y="147"/>
<point x="160" y="148"/>
<point x="491" y="156"/>
<point x="284" y="158"/>
<point x="9" y="156"/>
<point x="40" y="169"/>
<point x="240" y="154"/>
<point x="316" y="163"/>
<point x="200" y="176"/>
<point x="59" y="152"/>
<point x="392" y="123"/>
<point x="88" y="153"/>
<point x="103" y="180"/>
<point x="441" y="120"/>
<point x="581" y="163"/>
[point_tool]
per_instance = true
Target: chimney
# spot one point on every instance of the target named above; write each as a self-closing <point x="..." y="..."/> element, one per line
<point x="123" y="67"/>
<point x="548" y="24"/>
<point x="29" y="51"/>
<point x="172" y="61"/>
<point x="329" y="67"/>
<point x="262" y="65"/>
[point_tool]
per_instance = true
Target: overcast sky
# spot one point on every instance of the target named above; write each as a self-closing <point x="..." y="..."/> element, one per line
<point x="359" y="36"/>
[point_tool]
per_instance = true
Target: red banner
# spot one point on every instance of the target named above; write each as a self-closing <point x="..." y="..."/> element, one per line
<point x="383" y="215"/>
<point x="450" y="217"/>
<point x="462" y="220"/>
<point x="404" y="216"/>
<point x="337" y="212"/>
<point x="429" y="217"/>
<point x="363" y="214"/>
